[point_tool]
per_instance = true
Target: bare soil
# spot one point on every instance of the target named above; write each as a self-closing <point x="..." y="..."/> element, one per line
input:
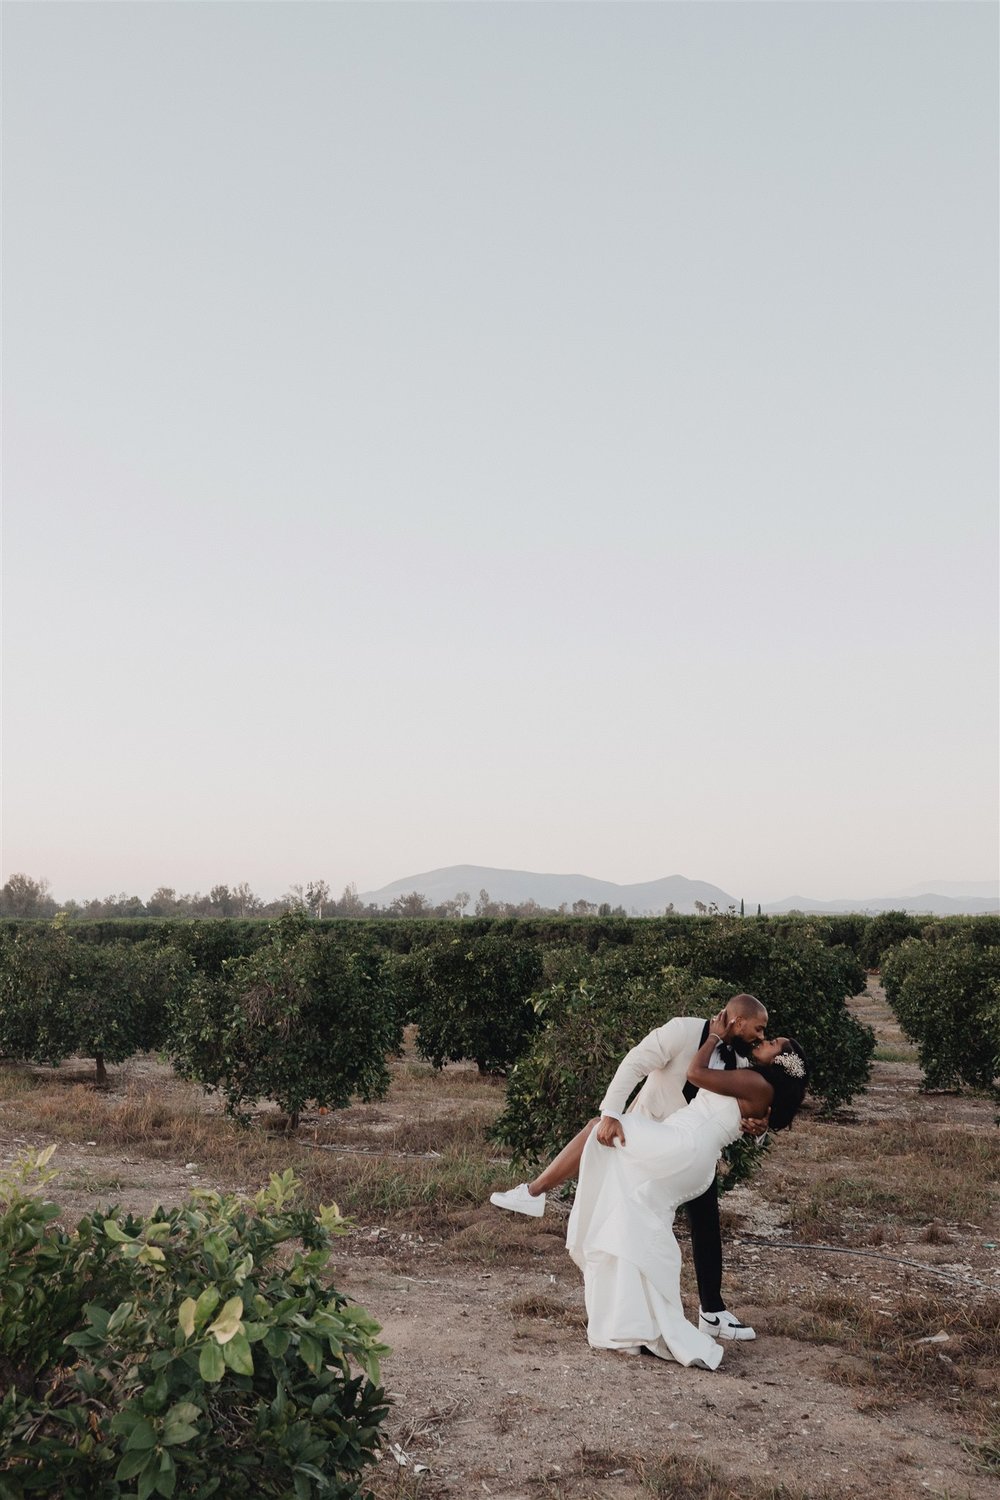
<point x="495" y="1390"/>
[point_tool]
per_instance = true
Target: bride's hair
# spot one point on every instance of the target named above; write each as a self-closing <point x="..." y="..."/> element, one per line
<point x="788" y="1075"/>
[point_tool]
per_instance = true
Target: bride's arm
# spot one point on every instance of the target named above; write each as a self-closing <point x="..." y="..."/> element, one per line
<point x="754" y="1092"/>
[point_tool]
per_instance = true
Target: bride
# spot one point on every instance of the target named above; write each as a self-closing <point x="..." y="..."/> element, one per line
<point x="621" y="1227"/>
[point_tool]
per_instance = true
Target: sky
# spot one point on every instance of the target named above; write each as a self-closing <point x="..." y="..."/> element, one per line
<point x="558" y="437"/>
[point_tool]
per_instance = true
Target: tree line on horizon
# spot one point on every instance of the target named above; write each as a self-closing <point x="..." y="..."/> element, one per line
<point x="25" y="897"/>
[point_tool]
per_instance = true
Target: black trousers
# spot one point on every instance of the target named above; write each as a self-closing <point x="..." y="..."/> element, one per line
<point x="706" y="1247"/>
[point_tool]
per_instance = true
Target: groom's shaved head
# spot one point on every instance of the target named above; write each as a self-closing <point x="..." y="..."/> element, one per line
<point x="745" y="1005"/>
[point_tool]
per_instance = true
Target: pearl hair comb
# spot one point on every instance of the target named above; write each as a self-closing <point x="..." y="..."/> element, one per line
<point x="792" y="1063"/>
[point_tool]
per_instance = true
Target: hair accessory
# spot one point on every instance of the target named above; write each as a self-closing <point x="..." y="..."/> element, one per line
<point x="792" y="1063"/>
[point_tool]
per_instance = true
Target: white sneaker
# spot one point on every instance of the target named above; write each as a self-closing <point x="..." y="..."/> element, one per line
<point x="518" y="1200"/>
<point x="722" y="1325"/>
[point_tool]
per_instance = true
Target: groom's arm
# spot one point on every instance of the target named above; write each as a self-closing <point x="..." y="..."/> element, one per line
<point x="755" y="1126"/>
<point x="654" y="1051"/>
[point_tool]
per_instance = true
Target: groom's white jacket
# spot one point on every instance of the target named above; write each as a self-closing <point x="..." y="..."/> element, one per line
<point x="662" y="1058"/>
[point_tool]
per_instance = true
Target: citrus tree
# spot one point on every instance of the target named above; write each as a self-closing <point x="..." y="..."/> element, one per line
<point x="804" y="985"/>
<point x="472" y="1000"/>
<point x="946" y="996"/>
<point x="305" y="1019"/>
<point x="61" y="998"/>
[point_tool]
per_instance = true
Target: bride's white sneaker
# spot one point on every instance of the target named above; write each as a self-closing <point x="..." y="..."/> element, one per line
<point x="722" y="1325"/>
<point x="518" y="1200"/>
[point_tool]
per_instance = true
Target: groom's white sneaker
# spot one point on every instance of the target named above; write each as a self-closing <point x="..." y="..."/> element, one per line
<point x="519" y="1201"/>
<point x="722" y="1325"/>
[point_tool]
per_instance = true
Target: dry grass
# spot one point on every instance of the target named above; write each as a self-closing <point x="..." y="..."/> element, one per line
<point x="16" y="1080"/>
<point x="887" y="1361"/>
<point x="414" y="1193"/>
<point x="466" y="1129"/>
<point x="843" y="1207"/>
<point x="936" y="1234"/>
<point x="419" y="1195"/>
<point x="549" y="1309"/>
<point x="987" y="1452"/>
<point x="895" y="1052"/>
<point x="842" y="1185"/>
<point x="598" y="1473"/>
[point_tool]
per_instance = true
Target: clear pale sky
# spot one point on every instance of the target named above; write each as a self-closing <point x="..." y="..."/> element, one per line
<point x="550" y="436"/>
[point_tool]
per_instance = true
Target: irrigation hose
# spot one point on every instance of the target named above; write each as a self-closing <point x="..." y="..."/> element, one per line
<point x="892" y="1260"/>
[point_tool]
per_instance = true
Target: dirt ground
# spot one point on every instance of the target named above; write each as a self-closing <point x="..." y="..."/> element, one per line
<point x="496" y="1392"/>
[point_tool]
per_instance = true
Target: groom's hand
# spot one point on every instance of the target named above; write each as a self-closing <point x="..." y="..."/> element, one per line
<point x="610" y="1132"/>
<point x="755" y="1125"/>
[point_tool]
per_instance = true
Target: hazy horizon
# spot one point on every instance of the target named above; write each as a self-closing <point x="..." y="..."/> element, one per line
<point x="269" y="893"/>
<point x="565" y="433"/>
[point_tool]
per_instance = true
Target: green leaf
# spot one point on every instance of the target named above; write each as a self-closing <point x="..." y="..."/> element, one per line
<point x="311" y="1353"/>
<point x="237" y="1355"/>
<point x="207" y="1302"/>
<point x="115" y="1232"/>
<point x="131" y="1464"/>
<point x="184" y="1411"/>
<point x="142" y="1435"/>
<point x="120" y="1317"/>
<point x="277" y="1341"/>
<point x="229" y="1321"/>
<point x="175" y="1432"/>
<point x="148" y="1481"/>
<point x="166" y="1479"/>
<point x="186" y="1316"/>
<point x="211" y="1365"/>
<point x="97" y="1317"/>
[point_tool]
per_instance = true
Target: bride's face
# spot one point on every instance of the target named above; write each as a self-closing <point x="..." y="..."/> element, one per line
<point x="766" y="1051"/>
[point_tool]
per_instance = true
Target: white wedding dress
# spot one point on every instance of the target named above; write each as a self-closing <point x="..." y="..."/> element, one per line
<point x="621" y="1231"/>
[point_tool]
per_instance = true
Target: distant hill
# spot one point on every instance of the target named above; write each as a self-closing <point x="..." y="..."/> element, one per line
<point x="927" y="903"/>
<point x="984" y="889"/>
<point x="650" y="898"/>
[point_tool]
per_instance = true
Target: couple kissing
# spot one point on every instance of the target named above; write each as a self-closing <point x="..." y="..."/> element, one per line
<point x="706" y="1082"/>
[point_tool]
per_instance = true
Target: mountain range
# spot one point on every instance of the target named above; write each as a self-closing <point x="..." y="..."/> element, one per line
<point x="650" y="898"/>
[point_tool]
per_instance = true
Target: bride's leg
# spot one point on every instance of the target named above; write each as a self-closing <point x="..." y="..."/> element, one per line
<point x="565" y="1165"/>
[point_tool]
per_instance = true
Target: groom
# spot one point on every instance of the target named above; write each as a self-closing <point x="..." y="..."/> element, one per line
<point x="662" y="1059"/>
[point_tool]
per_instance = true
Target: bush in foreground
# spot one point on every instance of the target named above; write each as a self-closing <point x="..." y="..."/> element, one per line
<point x="181" y="1355"/>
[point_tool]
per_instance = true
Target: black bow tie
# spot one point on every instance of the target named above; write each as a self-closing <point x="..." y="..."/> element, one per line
<point x="727" y="1054"/>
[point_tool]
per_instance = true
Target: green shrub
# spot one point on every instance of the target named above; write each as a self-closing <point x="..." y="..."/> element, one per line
<point x="187" y="1354"/>
<point x="60" y="998"/>
<point x="980" y="932"/>
<point x="946" y="996"/>
<point x="471" y="1000"/>
<point x="302" y="1020"/>
<point x="804" y="985"/>
<point x="886" y="931"/>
